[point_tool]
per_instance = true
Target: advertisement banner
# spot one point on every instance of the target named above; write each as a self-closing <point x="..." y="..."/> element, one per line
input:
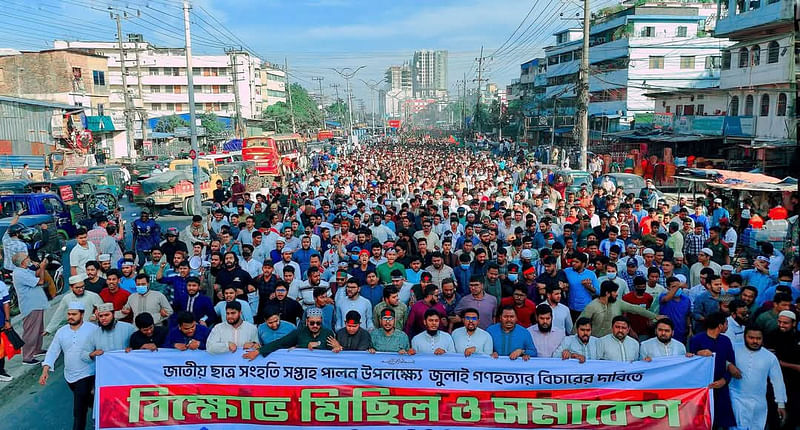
<point x="170" y="389"/>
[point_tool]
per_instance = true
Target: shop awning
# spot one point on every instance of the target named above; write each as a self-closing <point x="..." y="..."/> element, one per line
<point x="100" y="123"/>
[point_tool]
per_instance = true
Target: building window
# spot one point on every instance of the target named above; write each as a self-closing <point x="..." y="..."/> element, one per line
<point x="740" y="6"/>
<point x="700" y="110"/>
<point x="177" y="89"/>
<point x="178" y="107"/>
<point x="764" y="111"/>
<point x="196" y="71"/>
<point x="198" y="107"/>
<point x="101" y="109"/>
<point x="726" y="60"/>
<point x="656" y="62"/>
<point x="99" y="77"/>
<point x="755" y="4"/>
<point x="734" y="110"/>
<point x="681" y="31"/>
<point x="155" y="71"/>
<point x="755" y="55"/>
<point x="713" y="61"/>
<point x="743" y="56"/>
<point x="155" y="88"/>
<point x="668" y="108"/>
<point x="566" y="57"/>
<point x="176" y="71"/>
<point x="687" y="61"/>
<point x="76" y="73"/>
<point x="772" y="52"/>
<point x="552" y="60"/>
<point x="155" y="106"/>
<point x="688" y="110"/>
<point x="648" y="31"/>
<point x="748" y="106"/>
<point x="224" y="106"/>
<point x="168" y="89"/>
<point x="170" y="107"/>
<point x="781" y="108"/>
<point x="678" y="109"/>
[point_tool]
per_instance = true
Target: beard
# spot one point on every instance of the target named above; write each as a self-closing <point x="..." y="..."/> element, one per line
<point x="108" y="327"/>
<point x="664" y="341"/>
<point x="612" y="299"/>
<point x="432" y="333"/>
<point x="751" y="348"/>
<point x="545" y="328"/>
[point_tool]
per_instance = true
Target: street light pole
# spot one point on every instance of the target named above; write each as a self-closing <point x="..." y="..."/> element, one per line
<point x="192" y="124"/>
<point x="348" y="73"/>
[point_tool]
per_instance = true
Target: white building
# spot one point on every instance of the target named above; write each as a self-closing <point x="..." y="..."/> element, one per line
<point x="273" y="84"/>
<point x="638" y="50"/>
<point x="157" y="83"/>
<point x="429" y="74"/>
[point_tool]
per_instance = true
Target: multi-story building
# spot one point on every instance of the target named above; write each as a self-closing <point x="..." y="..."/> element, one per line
<point x="273" y="84"/>
<point x="399" y="85"/>
<point x="68" y="76"/>
<point x="157" y="82"/>
<point x="399" y="77"/>
<point x="634" y="51"/>
<point x="429" y="74"/>
<point x="759" y="72"/>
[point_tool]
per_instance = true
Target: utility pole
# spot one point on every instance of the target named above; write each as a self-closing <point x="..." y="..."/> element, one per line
<point x="238" y="126"/>
<point x="338" y="106"/>
<point x="319" y="79"/>
<point x="142" y="112"/>
<point x="192" y="124"/>
<point x="128" y="112"/>
<point x="582" y="134"/>
<point x="348" y="73"/>
<point x="373" y="89"/>
<point x="289" y="93"/>
<point x="553" y="132"/>
<point x="480" y="82"/>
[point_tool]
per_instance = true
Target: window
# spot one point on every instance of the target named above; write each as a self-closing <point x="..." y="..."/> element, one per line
<point x="748" y="106"/>
<point x="700" y="110"/>
<point x="668" y="108"/>
<point x="755" y="4"/>
<point x="687" y="61"/>
<point x="209" y="107"/>
<point x="772" y="52"/>
<point x="76" y="73"/>
<point x="713" y="61"/>
<point x="764" y="111"/>
<point x="178" y="107"/>
<point x="196" y="71"/>
<point x="734" y="110"/>
<point x="576" y="54"/>
<point x="155" y="106"/>
<point x="648" y="31"/>
<point x="177" y="89"/>
<point x="170" y="107"/>
<point x="681" y="31"/>
<point x="552" y="60"/>
<point x="726" y="60"/>
<point x="678" y="109"/>
<point x="656" y="62"/>
<point x="743" y="56"/>
<point x="176" y="71"/>
<point x="781" y="108"/>
<point x="215" y="89"/>
<point x="206" y="89"/>
<point x="688" y="110"/>
<point x="565" y="57"/>
<point x="224" y="106"/>
<point x="99" y="77"/>
<point x="755" y="55"/>
<point x="168" y="88"/>
<point x="101" y="109"/>
<point x="155" y="71"/>
<point x="155" y="88"/>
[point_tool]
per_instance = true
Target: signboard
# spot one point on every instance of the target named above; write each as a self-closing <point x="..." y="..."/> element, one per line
<point x="66" y="193"/>
<point x="394" y="123"/>
<point x="192" y="154"/>
<point x="739" y="126"/>
<point x="169" y="389"/>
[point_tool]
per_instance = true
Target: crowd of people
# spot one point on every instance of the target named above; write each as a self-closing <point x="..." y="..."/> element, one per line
<point x="422" y="247"/>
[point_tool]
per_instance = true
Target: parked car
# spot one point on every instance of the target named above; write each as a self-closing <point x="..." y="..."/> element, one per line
<point x="575" y="179"/>
<point x="630" y="183"/>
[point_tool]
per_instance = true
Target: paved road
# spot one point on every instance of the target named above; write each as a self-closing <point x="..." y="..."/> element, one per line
<point x="34" y="406"/>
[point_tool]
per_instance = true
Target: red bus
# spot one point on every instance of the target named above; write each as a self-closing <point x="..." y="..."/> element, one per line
<point x="273" y="155"/>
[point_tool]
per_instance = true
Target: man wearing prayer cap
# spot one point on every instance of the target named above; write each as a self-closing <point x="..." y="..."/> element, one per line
<point x="312" y="336"/>
<point x="77" y="293"/>
<point x="79" y="373"/>
<point x="113" y="335"/>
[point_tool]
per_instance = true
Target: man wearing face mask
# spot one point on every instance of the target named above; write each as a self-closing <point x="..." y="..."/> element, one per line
<point x="147" y="301"/>
<point x="611" y="275"/>
<point x="510" y="280"/>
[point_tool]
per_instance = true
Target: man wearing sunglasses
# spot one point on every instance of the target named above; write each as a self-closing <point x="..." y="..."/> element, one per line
<point x="312" y="336"/>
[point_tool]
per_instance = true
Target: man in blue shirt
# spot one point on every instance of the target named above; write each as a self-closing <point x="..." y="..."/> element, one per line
<point x="583" y="284"/>
<point x="187" y="334"/>
<point x="676" y="306"/>
<point x="509" y="338"/>
<point x="146" y="235"/>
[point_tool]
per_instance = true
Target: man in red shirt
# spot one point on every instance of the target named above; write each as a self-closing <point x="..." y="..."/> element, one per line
<point x="639" y="297"/>
<point x="778" y="212"/>
<point x="112" y="293"/>
<point x="523" y="306"/>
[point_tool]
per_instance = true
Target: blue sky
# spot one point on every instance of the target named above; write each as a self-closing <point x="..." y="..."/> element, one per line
<point x="313" y="34"/>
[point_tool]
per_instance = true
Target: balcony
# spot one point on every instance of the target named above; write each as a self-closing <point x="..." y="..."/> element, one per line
<point x="766" y="17"/>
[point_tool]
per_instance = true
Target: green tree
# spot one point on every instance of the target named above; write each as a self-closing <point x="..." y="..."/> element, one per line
<point x="212" y="124"/>
<point x="168" y="124"/>
<point x="338" y="112"/>
<point x="307" y="116"/>
<point x="280" y="114"/>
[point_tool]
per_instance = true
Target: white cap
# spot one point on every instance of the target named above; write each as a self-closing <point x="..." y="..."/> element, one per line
<point x="76" y="306"/>
<point x="707" y="251"/>
<point x="727" y="267"/>
<point x="648" y="251"/>
<point x="717" y="200"/>
<point x="76" y="279"/>
<point x="788" y="314"/>
<point x="681" y="278"/>
<point x="526" y="254"/>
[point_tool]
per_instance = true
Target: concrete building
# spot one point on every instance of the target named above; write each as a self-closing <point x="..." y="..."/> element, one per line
<point x="429" y="74"/>
<point x="273" y="84"/>
<point x="634" y="51"/>
<point x="157" y="80"/>
<point x="399" y="77"/>
<point x="76" y="77"/>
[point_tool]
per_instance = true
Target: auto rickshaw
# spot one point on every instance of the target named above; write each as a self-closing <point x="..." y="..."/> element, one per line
<point x="14" y="186"/>
<point x="81" y="195"/>
<point x="110" y="178"/>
